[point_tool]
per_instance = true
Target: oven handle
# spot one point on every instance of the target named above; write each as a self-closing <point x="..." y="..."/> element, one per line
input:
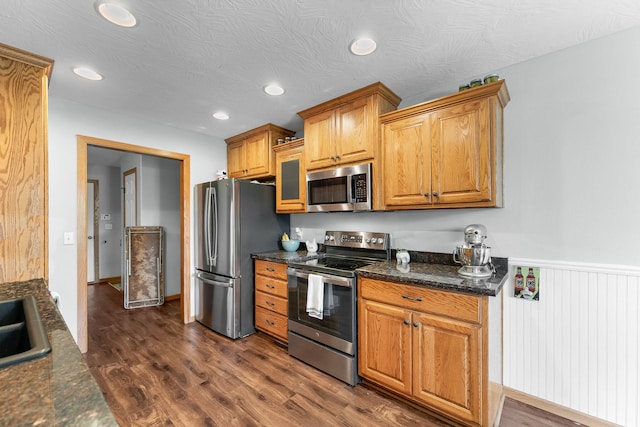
<point x="346" y="282"/>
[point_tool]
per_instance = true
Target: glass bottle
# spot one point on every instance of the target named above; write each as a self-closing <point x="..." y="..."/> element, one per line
<point x="531" y="281"/>
<point x="519" y="282"/>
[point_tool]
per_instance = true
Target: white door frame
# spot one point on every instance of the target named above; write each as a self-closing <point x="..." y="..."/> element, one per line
<point x="185" y="217"/>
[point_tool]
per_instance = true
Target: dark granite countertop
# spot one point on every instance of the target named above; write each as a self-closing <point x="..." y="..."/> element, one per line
<point x="436" y="270"/>
<point x="57" y="389"/>
<point x="284" y="257"/>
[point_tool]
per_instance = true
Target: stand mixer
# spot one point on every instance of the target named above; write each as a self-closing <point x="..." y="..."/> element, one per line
<point x="474" y="255"/>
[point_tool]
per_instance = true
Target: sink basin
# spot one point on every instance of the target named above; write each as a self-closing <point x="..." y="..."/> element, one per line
<point x="22" y="333"/>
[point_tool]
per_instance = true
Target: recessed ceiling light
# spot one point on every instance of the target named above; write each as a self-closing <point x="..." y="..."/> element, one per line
<point x="221" y="116"/>
<point x="274" y="90"/>
<point x="117" y="14"/>
<point x="363" y="46"/>
<point x="87" y="73"/>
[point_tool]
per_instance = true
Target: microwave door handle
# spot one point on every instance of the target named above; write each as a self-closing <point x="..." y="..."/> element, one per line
<point x="352" y="189"/>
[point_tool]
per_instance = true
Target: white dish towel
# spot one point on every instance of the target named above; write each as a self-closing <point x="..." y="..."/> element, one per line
<point x="315" y="296"/>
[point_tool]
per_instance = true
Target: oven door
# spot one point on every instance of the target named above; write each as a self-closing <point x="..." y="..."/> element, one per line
<point x="337" y="328"/>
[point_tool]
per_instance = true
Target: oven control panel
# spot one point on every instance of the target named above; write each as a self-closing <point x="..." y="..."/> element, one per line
<point x="357" y="239"/>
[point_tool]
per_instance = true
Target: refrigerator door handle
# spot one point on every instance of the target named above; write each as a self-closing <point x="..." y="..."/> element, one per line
<point x="214" y="282"/>
<point x="207" y="224"/>
<point x="216" y="237"/>
<point x="211" y="201"/>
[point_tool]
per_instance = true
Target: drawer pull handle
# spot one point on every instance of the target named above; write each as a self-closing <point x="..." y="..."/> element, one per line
<point x="270" y="269"/>
<point x="270" y="286"/>
<point x="270" y="323"/>
<point x="270" y="303"/>
<point x="411" y="298"/>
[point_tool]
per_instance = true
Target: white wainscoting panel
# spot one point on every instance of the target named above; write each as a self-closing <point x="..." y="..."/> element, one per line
<point x="578" y="346"/>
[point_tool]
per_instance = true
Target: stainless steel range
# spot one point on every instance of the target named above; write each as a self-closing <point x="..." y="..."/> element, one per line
<point x="322" y="302"/>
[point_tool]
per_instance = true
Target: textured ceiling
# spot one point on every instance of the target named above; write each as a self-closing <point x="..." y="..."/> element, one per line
<point x="186" y="59"/>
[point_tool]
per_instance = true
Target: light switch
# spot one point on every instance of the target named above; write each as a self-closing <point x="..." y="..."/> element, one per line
<point x="68" y="238"/>
<point x="105" y="217"/>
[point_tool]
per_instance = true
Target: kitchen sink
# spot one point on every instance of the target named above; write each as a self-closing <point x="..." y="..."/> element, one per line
<point x="22" y="334"/>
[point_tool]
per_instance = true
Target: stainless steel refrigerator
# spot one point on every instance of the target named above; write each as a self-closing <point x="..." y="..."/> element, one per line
<point x="235" y="218"/>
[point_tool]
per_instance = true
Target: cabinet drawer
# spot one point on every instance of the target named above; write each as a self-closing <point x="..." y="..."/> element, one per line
<point x="272" y="302"/>
<point x="271" y="286"/>
<point x="455" y="305"/>
<point x="271" y="269"/>
<point x="272" y="323"/>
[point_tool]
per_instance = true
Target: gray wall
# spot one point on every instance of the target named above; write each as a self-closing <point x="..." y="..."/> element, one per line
<point x="571" y="151"/>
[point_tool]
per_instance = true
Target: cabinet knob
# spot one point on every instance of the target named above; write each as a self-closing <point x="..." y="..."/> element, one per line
<point x="333" y="159"/>
<point x="416" y="324"/>
<point x="426" y="194"/>
<point x="406" y="322"/>
<point x="436" y="195"/>
<point x="337" y="157"/>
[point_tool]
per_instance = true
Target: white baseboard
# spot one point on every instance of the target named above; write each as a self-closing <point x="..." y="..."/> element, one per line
<point x="556" y="409"/>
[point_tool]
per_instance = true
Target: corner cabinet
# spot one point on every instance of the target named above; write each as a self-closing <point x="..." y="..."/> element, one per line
<point x="345" y="130"/>
<point x="24" y="80"/>
<point x="250" y="154"/>
<point x="291" y="191"/>
<point x="445" y="153"/>
<point x="272" y="299"/>
<point x="431" y="347"/>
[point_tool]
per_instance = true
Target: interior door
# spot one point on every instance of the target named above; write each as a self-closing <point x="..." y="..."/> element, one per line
<point x="91" y="209"/>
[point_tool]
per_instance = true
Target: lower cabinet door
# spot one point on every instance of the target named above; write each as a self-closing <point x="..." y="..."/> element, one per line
<point x="446" y="362"/>
<point x="384" y="339"/>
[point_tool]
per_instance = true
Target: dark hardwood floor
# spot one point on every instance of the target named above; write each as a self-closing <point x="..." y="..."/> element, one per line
<point x="155" y="371"/>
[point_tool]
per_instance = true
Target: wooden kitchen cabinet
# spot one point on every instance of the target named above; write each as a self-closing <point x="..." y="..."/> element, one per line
<point x="271" y="299"/>
<point x="445" y="153"/>
<point x="24" y="80"/>
<point x="291" y="192"/>
<point x="345" y="130"/>
<point x="429" y="346"/>
<point x="250" y="154"/>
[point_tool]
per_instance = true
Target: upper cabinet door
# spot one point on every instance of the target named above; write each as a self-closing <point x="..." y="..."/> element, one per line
<point x="407" y="161"/>
<point x="258" y="155"/>
<point x="462" y="153"/>
<point x="320" y="130"/>
<point x="235" y="160"/>
<point x="354" y="124"/>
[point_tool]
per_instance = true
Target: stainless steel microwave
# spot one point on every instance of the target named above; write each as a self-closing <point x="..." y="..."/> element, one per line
<point x="341" y="189"/>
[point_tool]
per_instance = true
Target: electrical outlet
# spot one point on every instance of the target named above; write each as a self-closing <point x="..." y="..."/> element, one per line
<point x="68" y="238"/>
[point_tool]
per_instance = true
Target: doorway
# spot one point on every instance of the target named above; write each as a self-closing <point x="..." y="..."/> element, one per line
<point x="185" y="289"/>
